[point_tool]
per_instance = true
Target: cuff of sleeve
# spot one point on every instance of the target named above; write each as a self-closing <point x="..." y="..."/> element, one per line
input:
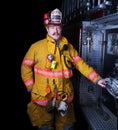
<point x="99" y="78"/>
<point x="29" y="90"/>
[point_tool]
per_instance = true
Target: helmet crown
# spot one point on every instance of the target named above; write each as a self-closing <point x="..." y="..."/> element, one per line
<point x="53" y="17"/>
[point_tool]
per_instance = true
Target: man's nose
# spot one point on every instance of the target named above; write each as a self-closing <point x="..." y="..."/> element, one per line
<point x="56" y="29"/>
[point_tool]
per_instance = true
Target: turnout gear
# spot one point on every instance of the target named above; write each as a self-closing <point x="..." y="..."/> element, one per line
<point x="42" y="87"/>
<point x="112" y="86"/>
<point x="40" y="117"/>
<point x="38" y="61"/>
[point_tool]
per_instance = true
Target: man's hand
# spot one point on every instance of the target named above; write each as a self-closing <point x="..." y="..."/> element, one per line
<point x="101" y="82"/>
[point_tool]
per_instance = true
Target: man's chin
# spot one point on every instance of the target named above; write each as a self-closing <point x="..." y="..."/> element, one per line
<point x="56" y="38"/>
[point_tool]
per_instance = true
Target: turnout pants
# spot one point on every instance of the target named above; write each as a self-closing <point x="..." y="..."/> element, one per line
<point x="40" y="117"/>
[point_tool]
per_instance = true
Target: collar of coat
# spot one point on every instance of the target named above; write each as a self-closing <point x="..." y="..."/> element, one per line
<point x="52" y="44"/>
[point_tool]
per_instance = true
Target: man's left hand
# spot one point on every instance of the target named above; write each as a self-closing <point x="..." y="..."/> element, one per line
<point x="101" y="82"/>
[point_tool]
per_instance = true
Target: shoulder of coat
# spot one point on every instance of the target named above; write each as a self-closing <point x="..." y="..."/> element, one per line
<point x="40" y="43"/>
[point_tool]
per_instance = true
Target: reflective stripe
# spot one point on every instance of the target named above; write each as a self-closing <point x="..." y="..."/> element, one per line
<point x="70" y="99"/>
<point x="55" y="74"/>
<point x="45" y="101"/>
<point x="29" y="83"/>
<point x="28" y="62"/>
<point x="76" y="59"/>
<point x="41" y="102"/>
<point x="92" y="75"/>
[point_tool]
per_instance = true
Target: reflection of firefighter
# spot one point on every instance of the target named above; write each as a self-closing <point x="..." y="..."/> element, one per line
<point x="46" y="70"/>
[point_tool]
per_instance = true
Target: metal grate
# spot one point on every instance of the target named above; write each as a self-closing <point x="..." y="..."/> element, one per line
<point x="100" y="118"/>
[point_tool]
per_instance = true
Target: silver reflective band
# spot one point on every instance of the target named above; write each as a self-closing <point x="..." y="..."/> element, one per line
<point x="56" y="17"/>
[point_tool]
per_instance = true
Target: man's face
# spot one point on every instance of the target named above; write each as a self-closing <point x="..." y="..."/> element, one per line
<point x="54" y="31"/>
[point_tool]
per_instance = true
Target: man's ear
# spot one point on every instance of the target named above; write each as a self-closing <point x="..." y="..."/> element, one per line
<point x="46" y="28"/>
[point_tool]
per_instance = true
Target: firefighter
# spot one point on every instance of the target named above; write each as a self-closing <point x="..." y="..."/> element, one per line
<point x="46" y="71"/>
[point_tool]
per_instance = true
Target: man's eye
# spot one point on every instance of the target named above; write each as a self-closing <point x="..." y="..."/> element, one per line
<point x="52" y="27"/>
